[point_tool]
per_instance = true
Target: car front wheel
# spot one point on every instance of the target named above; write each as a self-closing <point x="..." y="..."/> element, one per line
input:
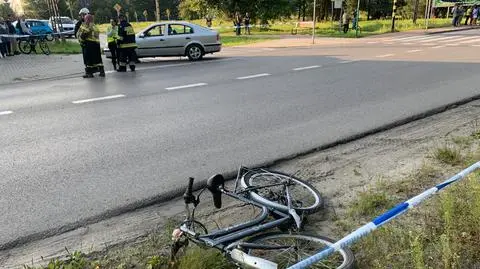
<point x="194" y="52"/>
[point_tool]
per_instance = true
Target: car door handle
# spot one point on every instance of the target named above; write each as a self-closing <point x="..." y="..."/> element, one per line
<point x="188" y="38"/>
<point x="162" y="39"/>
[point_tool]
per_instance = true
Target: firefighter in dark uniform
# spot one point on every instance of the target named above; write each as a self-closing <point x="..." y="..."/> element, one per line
<point x="88" y="36"/>
<point x="126" y="45"/>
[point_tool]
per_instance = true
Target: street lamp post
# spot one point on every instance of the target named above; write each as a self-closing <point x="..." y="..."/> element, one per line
<point x="357" y="18"/>
<point x="314" y="19"/>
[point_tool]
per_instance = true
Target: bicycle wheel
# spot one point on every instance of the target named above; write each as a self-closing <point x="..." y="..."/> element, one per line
<point x="287" y="249"/>
<point x="44" y="47"/>
<point x="305" y="198"/>
<point x="24" y="46"/>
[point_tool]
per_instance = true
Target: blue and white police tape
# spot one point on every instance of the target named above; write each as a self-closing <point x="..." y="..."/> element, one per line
<point x="382" y="219"/>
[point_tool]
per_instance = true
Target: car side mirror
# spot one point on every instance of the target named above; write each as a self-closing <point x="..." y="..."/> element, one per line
<point x="142" y="35"/>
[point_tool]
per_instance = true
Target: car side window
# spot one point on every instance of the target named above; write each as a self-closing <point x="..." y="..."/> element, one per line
<point x="158" y="30"/>
<point x="179" y="29"/>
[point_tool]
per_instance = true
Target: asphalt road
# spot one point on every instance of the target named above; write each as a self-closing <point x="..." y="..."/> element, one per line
<point x="67" y="158"/>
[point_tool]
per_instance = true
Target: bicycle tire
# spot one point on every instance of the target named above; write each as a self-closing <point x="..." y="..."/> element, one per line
<point x="280" y="203"/>
<point x="191" y="226"/>
<point x="44" y="47"/>
<point x="343" y="259"/>
<point x="49" y="37"/>
<point x="24" y="46"/>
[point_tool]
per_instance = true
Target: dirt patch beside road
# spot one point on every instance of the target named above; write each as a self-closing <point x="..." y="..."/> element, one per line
<point x="339" y="173"/>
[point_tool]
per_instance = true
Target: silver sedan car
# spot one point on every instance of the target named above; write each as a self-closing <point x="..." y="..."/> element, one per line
<point x="175" y="39"/>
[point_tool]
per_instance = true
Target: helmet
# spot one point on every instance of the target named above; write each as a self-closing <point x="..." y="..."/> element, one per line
<point x="84" y="11"/>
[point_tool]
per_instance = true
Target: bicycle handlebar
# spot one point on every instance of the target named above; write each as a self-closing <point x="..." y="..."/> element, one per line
<point x="188" y="195"/>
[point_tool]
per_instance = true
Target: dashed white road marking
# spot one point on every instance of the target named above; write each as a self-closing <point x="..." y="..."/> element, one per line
<point x="384" y="55"/>
<point x="254" y="76"/>
<point x="475" y="45"/>
<point x="372" y="42"/>
<point x="306" y="68"/>
<point x="268" y="49"/>
<point x="453" y="44"/>
<point x="429" y="44"/>
<point x="412" y="51"/>
<point x="186" y="86"/>
<point x="438" y="39"/>
<point x="347" y="62"/>
<point x="98" y="99"/>
<point x="437" y="47"/>
<point x="407" y="43"/>
<point x="3" y="113"/>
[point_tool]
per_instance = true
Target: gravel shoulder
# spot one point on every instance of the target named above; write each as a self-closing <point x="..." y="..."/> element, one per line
<point x="339" y="173"/>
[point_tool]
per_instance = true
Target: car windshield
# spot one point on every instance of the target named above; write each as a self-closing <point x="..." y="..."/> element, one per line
<point x="65" y="21"/>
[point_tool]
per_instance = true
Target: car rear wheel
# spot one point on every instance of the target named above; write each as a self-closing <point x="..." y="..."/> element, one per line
<point x="194" y="52"/>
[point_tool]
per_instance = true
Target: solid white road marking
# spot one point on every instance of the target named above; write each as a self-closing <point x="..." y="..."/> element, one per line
<point x="407" y="43"/>
<point x="254" y="76"/>
<point x="437" y="47"/>
<point x="347" y="62"/>
<point x="98" y="99"/>
<point x="186" y="86"/>
<point x="306" y="68"/>
<point x="411" y="51"/>
<point x="3" y="113"/>
<point x="384" y="55"/>
<point x="475" y="45"/>
<point x="429" y="44"/>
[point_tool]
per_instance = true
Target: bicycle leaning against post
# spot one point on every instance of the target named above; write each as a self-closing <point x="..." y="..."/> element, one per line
<point x="285" y="201"/>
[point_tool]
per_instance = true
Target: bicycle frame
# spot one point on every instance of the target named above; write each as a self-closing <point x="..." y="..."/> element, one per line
<point x="222" y="239"/>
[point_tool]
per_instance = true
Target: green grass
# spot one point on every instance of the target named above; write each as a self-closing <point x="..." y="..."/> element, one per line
<point x="441" y="233"/>
<point x="67" y="47"/>
<point x="448" y="155"/>
<point x="325" y="28"/>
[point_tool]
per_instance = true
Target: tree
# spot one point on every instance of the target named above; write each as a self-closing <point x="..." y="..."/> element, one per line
<point x="193" y="9"/>
<point x="5" y="10"/>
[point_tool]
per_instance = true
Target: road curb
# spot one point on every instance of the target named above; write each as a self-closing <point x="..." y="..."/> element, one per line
<point x="163" y="198"/>
<point x="453" y="30"/>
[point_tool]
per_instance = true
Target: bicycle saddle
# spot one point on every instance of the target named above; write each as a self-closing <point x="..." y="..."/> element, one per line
<point x="213" y="185"/>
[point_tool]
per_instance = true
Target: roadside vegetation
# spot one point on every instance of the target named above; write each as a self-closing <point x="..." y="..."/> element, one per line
<point x="67" y="47"/>
<point x="440" y="233"/>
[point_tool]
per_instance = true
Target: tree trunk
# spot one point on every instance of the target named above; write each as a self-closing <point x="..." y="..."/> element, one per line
<point x="157" y="9"/>
<point x="415" y="12"/>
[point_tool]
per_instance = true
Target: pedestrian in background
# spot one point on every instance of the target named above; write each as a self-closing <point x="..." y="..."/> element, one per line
<point x="3" y="40"/>
<point x="345" y="22"/>
<point x="12" y="48"/>
<point x="468" y="16"/>
<point x="112" y="37"/>
<point x="208" y="20"/>
<point x="89" y="38"/>
<point x="126" y="45"/>
<point x="238" y="23"/>
<point x="474" y="16"/>
<point x="455" y="15"/>
<point x="247" y="23"/>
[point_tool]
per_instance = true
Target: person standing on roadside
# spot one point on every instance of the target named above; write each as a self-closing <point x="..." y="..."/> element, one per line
<point x="238" y="23"/>
<point x="468" y="16"/>
<point x="89" y="37"/>
<point x="455" y="15"/>
<point x="247" y="23"/>
<point x="112" y="36"/>
<point x="12" y="49"/>
<point x="473" y="21"/>
<point x="345" y="22"/>
<point x="126" y="45"/>
<point x="3" y="40"/>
